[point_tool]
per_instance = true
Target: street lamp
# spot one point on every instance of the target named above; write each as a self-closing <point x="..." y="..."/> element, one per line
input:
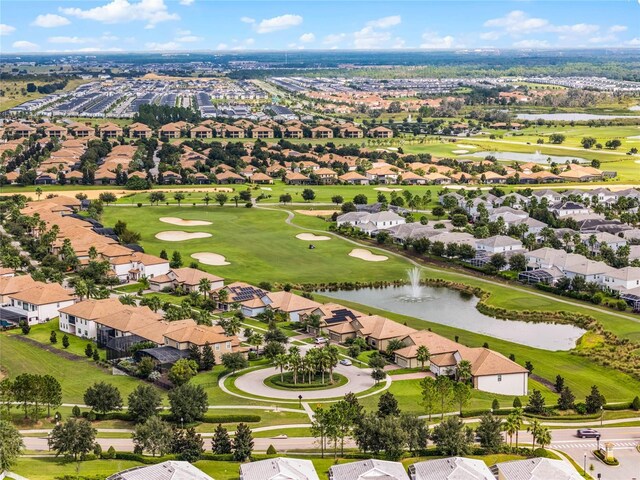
<point x="584" y="467"/>
<point x="601" y="414"/>
<point x="300" y="401"/>
<point x="182" y="423"/>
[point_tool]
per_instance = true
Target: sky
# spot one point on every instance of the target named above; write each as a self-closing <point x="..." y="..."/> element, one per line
<point x="197" y="25"/>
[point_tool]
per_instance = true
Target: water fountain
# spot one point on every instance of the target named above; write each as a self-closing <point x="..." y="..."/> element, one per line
<point x="415" y="289"/>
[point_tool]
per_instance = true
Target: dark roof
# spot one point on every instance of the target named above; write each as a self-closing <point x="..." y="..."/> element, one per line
<point x="135" y="247"/>
<point x="165" y="355"/>
<point x="124" y="344"/>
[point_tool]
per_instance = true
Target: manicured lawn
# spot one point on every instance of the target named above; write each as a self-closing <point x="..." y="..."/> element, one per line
<point x="46" y="468"/>
<point x="257" y="243"/>
<point x="42" y="333"/>
<point x="74" y="376"/>
<point x="274" y="382"/>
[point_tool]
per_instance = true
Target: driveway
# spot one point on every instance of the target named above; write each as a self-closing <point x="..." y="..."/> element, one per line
<point x="359" y="380"/>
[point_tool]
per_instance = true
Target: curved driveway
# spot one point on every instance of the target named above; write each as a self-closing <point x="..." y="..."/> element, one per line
<point x="359" y="380"/>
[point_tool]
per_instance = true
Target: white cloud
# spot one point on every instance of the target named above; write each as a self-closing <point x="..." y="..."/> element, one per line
<point x="222" y="46"/>
<point x="385" y="22"/>
<point x="24" y="45"/>
<point x="247" y="20"/>
<point x="188" y="39"/>
<point x="6" y="29"/>
<point x="121" y="11"/>
<point x="74" y="40"/>
<point x="603" y="39"/>
<point x="334" y="38"/>
<point x="163" y="46"/>
<point x="517" y="22"/>
<point x="618" y="28"/>
<point x="368" y="38"/>
<point x="275" y="24"/>
<point x="634" y="42"/>
<point x="307" y="37"/>
<point x="50" y="20"/>
<point x="433" y="41"/>
<point x="493" y="35"/>
<point x="186" y="2"/>
<point x="531" y="44"/>
<point x="577" y="29"/>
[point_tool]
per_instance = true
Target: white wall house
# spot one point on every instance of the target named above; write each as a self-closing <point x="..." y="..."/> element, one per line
<point x="626" y="278"/>
<point x="503" y="384"/>
<point x="79" y="318"/>
<point x="42" y="302"/>
<point x="499" y="244"/>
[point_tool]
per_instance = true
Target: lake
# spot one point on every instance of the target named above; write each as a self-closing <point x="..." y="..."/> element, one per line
<point x="458" y="309"/>
<point x="568" y="117"/>
<point x="535" y="157"/>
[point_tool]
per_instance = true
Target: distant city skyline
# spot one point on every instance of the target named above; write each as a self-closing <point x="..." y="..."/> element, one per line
<point x="198" y="25"/>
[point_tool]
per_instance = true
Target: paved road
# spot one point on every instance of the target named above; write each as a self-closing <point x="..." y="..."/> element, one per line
<point x="359" y="380"/>
<point x="625" y="440"/>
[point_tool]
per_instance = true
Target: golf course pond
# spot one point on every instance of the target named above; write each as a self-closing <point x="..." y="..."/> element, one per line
<point x="458" y="309"/>
<point x="535" y="157"/>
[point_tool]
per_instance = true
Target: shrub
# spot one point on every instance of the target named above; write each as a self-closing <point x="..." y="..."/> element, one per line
<point x="139" y="204"/>
<point x="619" y="406"/>
<point x="239" y="418"/>
<point x="636" y="404"/>
<point x="272" y="450"/>
<point x="601" y="456"/>
<point x="111" y="453"/>
<point x="75" y="411"/>
<point x="580" y="408"/>
<point x="97" y="450"/>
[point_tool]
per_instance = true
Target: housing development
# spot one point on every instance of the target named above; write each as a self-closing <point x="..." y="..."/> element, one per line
<point x="293" y="242"/>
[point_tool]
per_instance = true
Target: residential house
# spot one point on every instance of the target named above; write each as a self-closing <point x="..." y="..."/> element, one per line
<point x="384" y="174"/>
<point x="123" y="323"/>
<point x="201" y="335"/>
<point x="169" y="470"/>
<point x="187" y="279"/>
<point x="499" y="244"/>
<point x="452" y="468"/>
<point x="293" y="178"/>
<point x="55" y="131"/>
<point x="229" y="177"/>
<point x="262" y="132"/>
<point x="41" y="302"/>
<point x="139" y="130"/>
<point x="278" y="469"/>
<point x="110" y="130"/>
<point x="380" y="132"/>
<point x="261" y="178"/>
<point x="232" y="131"/>
<point x="551" y="196"/>
<point x="292" y="131"/>
<point x="370" y="223"/>
<point x="248" y="297"/>
<point x="569" y="209"/>
<point x="354" y="178"/>
<point x="82" y="131"/>
<point x="368" y="470"/>
<point x="595" y="241"/>
<point x="351" y="131"/>
<point x="321" y="132"/>
<point x="537" y="469"/>
<point x="170" y="131"/>
<point x="14" y="284"/>
<point x="621" y="279"/>
<point x="328" y="315"/>
<point x="201" y="132"/>
<point x="326" y="176"/>
<point x="289" y="303"/>
<point x="79" y="319"/>
<point x="377" y="331"/>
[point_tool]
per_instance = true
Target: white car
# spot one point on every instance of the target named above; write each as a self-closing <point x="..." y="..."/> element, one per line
<point x="346" y="362"/>
<point x="320" y="340"/>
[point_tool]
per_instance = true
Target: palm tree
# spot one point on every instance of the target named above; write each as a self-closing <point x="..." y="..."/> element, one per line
<point x="463" y="371"/>
<point x="534" y="428"/>
<point x="127" y="299"/>
<point x="517" y="416"/>
<point x="511" y="427"/>
<point x="38" y="192"/>
<point x="332" y="355"/>
<point x="80" y="289"/>
<point x="295" y="363"/>
<point x="544" y="436"/>
<point x="223" y="296"/>
<point x="206" y="199"/>
<point x="204" y="286"/>
<point x="281" y="361"/>
<point x="232" y="326"/>
<point x="423" y="355"/>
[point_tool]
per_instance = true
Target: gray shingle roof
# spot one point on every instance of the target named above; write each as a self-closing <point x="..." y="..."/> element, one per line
<point x="279" y="468"/>
<point x="170" y="470"/>
<point x="369" y="470"/>
<point x="455" y="468"/>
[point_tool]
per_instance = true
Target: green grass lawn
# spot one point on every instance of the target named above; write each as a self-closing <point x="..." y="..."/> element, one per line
<point x="258" y="244"/>
<point x="74" y="376"/>
<point x="77" y="345"/>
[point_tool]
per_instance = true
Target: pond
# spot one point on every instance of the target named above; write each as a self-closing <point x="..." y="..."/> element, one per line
<point x="535" y="157"/>
<point x="570" y="117"/>
<point x="458" y="309"/>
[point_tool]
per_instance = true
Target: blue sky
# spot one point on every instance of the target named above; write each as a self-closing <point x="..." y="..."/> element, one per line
<point x="190" y="25"/>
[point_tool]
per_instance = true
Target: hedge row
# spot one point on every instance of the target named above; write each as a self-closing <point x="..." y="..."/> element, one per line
<point x="208" y="418"/>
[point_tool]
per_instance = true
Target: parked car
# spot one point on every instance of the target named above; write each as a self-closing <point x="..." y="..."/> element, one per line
<point x="346" y="362"/>
<point x="320" y="340"/>
<point x="588" y="433"/>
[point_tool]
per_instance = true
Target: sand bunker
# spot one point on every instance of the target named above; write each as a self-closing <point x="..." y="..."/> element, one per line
<point x="268" y="189"/>
<point x="180" y="236"/>
<point x="310" y="237"/>
<point x="637" y="161"/>
<point x="209" y="258"/>
<point x="366" y="255"/>
<point x="462" y="145"/>
<point x="387" y="189"/>
<point x="184" y="223"/>
<point x="459" y="152"/>
<point x="317" y="213"/>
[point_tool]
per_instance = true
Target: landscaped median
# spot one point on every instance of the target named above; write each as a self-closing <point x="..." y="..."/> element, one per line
<point x="317" y="383"/>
